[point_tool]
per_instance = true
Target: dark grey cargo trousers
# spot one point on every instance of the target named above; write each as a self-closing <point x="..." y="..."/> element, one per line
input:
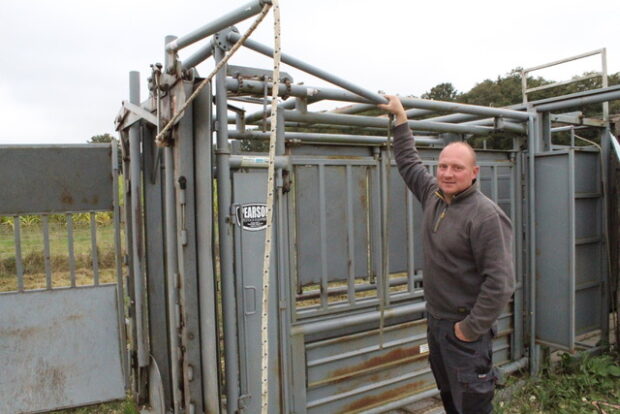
<point x="463" y="370"/>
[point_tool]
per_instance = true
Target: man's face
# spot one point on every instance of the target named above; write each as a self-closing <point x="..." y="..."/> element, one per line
<point x="456" y="170"/>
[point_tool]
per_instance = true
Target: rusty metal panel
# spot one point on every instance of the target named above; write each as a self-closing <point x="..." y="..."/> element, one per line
<point x="55" y="178"/>
<point x="59" y="348"/>
<point x="367" y="369"/>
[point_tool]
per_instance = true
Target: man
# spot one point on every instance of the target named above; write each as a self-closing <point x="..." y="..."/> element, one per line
<point x="468" y="267"/>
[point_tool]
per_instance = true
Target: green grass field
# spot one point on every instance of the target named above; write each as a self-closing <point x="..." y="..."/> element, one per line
<point x="33" y="256"/>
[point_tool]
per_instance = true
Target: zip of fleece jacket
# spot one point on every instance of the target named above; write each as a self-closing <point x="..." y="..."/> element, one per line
<point x="467" y="244"/>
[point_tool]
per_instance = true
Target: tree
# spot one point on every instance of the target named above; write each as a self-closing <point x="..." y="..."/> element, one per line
<point x="101" y="139"/>
<point x="442" y="92"/>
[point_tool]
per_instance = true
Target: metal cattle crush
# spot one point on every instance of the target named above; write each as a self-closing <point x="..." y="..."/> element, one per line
<point x="346" y="323"/>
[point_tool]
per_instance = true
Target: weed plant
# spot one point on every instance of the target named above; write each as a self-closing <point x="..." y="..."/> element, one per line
<point x="574" y="386"/>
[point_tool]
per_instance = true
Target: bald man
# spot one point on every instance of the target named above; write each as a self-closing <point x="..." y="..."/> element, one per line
<point x="468" y="267"/>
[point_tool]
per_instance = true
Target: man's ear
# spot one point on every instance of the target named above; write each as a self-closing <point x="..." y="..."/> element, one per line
<point x="476" y="171"/>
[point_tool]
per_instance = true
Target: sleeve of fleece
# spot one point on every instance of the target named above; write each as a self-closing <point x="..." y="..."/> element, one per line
<point x="415" y="175"/>
<point x="491" y="242"/>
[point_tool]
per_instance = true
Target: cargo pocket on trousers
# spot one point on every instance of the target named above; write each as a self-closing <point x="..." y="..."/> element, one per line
<point x="478" y="391"/>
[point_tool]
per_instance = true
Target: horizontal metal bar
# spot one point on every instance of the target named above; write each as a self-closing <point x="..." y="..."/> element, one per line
<point x="300" y="91"/>
<point x="571" y="103"/>
<point x="513" y="366"/>
<point x="367" y="121"/>
<point x="202" y="54"/>
<point x="331" y="138"/>
<point x="587" y="240"/>
<point x="403" y="402"/>
<point x="464" y="108"/>
<point x="573" y="80"/>
<point x="505" y="125"/>
<point x="357" y="319"/>
<point x="257" y="161"/>
<point x="312" y="70"/>
<point x="255" y="116"/>
<point x="568" y="59"/>
<point x="229" y="19"/>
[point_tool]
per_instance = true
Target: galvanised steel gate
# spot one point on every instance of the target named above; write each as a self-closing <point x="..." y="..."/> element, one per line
<point x="351" y="336"/>
<point x="62" y="341"/>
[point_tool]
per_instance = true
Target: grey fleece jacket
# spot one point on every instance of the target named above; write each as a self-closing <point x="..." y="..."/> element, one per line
<point x="468" y="266"/>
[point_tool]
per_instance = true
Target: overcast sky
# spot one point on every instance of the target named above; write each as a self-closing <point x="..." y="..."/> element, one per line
<point x="64" y="64"/>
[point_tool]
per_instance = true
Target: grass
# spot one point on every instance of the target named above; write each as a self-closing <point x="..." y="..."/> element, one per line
<point x="574" y="386"/>
<point x="119" y="407"/>
<point x="33" y="256"/>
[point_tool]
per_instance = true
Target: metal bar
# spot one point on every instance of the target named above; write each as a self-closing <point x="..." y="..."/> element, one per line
<point x="172" y="266"/>
<point x="202" y="54"/>
<point x="568" y="59"/>
<point x="204" y="239"/>
<point x="229" y="19"/>
<point x="300" y="91"/>
<point x="366" y="121"/>
<point x="350" y="236"/>
<point x="71" y="249"/>
<point x="229" y="301"/>
<point x="532" y="144"/>
<point x="93" y="248"/>
<point x="19" y="265"/>
<point x="255" y="116"/>
<point x="410" y="243"/>
<point x="46" y="251"/>
<point x="464" y="108"/>
<point x="136" y="221"/>
<point x="571" y="103"/>
<point x="394" y="405"/>
<point x="257" y="161"/>
<point x="323" y="236"/>
<point x="615" y="145"/>
<point x="357" y="319"/>
<point x="516" y="209"/>
<point x="312" y="70"/>
<point x="120" y="284"/>
<point x="572" y="249"/>
<point x="573" y="80"/>
<point x="331" y="138"/>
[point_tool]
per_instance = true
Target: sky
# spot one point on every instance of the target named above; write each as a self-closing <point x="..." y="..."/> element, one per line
<point x="64" y="64"/>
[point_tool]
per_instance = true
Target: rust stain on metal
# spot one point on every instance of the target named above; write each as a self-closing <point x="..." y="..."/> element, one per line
<point x="397" y="356"/>
<point x="66" y="197"/>
<point x="22" y="333"/>
<point x="391" y="395"/>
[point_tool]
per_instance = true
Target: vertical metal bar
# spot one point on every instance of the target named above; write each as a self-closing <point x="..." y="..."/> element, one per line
<point x="229" y="300"/>
<point x="410" y="242"/>
<point x="172" y="272"/>
<point x="323" y="237"/>
<point x="516" y="208"/>
<point x="572" y="244"/>
<point x="282" y="355"/>
<point x="605" y="82"/>
<point x="494" y="193"/>
<point x="46" y="251"/>
<point x="71" y="249"/>
<point x="120" y="286"/>
<point x="350" y="237"/>
<point x="202" y="107"/>
<point x="93" y="248"/>
<point x="19" y="266"/>
<point x="533" y="139"/>
<point x="136" y="222"/>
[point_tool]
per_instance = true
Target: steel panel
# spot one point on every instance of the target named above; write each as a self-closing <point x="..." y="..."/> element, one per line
<point x="587" y="218"/>
<point x="251" y="187"/>
<point x="588" y="263"/>
<point x="588" y="305"/>
<point x="397" y="223"/>
<point x="59" y="348"/>
<point x="55" y="178"/>
<point x="554" y="238"/>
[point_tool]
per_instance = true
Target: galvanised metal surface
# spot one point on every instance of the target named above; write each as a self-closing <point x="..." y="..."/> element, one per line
<point x="55" y="178"/>
<point x="570" y="239"/>
<point x="59" y="348"/>
<point x="248" y="212"/>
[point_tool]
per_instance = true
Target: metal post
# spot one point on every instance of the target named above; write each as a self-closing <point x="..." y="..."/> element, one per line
<point x="136" y="221"/>
<point x="229" y="301"/>
<point x="172" y="276"/>
<point x="532" y="145"/>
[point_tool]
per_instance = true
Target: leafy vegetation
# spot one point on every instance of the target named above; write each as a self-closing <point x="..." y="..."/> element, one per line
<point x="120" y="407"/>
<point x="574" y="386"/>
